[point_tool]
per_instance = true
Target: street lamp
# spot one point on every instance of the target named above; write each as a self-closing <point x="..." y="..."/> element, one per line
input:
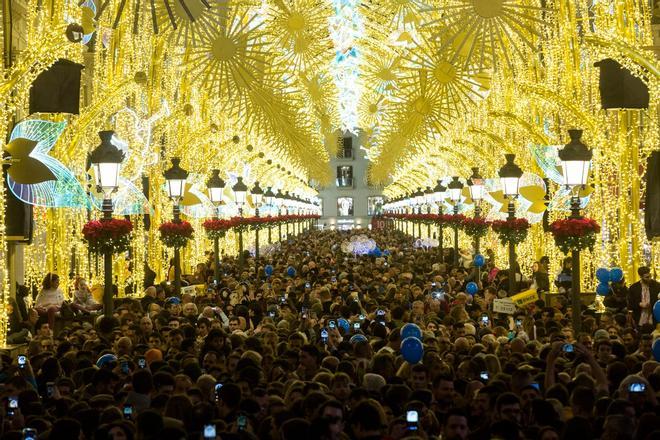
<point x="428" y="200"/>
<point x="106" y="160"/>
<point x="476" y="186"/>
<point x="510" y="175"/>
<point x="454" y="188"/>
<point x="176" y="178"/>
<point x="269" y="199"/>
<point x="279" y="202"/>
<point x="257" y="196"/>
<point x="216" y="186"/>
<point x="576" y="161"/>
<point x="240" y="195"/>
<point x="439" y="194"/>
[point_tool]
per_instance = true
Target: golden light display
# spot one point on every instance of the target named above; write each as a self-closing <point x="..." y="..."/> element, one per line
<point x="256" y="89"/>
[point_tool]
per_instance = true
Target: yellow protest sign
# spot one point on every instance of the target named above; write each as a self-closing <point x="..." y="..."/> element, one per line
<point x="523" y="298"/>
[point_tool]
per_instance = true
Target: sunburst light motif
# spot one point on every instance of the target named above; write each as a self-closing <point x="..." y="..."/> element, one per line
<point x="298" y="30"/>
<point x="233" y="59"/>
<point x="440" y="77"/>
<point x="191" y="20"/>
<point x="487" y="33"/>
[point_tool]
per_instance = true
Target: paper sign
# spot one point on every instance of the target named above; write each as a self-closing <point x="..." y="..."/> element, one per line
<point x="504" y="306"/>
<point x="191" y="290"/>
<point x="523" y="298"/>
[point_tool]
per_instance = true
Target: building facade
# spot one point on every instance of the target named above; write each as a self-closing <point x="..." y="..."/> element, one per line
<point x="350" y="201"/>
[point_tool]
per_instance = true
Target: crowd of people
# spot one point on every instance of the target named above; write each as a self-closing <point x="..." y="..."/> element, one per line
<point x="314" y="351"/>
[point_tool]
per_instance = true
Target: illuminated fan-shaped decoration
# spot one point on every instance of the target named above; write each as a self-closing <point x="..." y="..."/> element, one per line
<point x="373" y="107"/>
<point x="26" y="169"/>
<point x="299" y="29"/>
<point x="89" y="27"/>
<point x="381" y="72"/>
<point x="404" y="13"/>
<point x="530" y="204"/>
<point x="63" y="192"/>
<point x="138" y="154"/>
<point x="190" y="197"/>
<point x="195" y="203"/>
<point x="485" y="32"/>
<point x="547" y="158"/>
<point x="232" y="60"/>
<point x="127" y="200"/>
<point x="443" y="77"/>
<point x="191" y="20"/>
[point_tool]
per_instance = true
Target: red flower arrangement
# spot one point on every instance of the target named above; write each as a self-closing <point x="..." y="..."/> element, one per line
<point x="475" y="227"/>
<point x="574" y="233"/>
<point x="216" y="228"/>
<point x="108" y="235"/>
<point x="514" y="231"/>
<point x="452" y="220"/>
<point x="175" y="234"/>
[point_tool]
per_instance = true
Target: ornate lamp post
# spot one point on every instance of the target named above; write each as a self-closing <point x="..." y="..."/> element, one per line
<point x="176" y="178"/>
<point x="240" y="194"/>
<point x="576" y="161"/>
<point x="510" y="175"/>
<point x="455" y="187"/>
<point x="106" y="160"/>
<point x="287" y="204"/>
<point x="419" y="201"/>
<point x="269" y="198"/>
<point x="476" y="186"/>
<point x="279" y="203"/>
<point x="257" y="196"/>
<point x="439" y="194"/>
<point x="216" y="186"/>
<point x="428" y="199"/>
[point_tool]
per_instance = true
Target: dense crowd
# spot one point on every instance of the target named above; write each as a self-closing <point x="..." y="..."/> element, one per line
<point x="314" y="351"/>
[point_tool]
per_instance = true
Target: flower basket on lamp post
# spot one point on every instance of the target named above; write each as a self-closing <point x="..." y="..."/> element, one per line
<point x="175" y="234"/>
<point x="574" y="234"/>
<point x="511" y="230"/>
<point x="216" y="228"/>
<point x="476" y="227"/>
<point x="453" y="220"/>
<point x="108" y="235"/>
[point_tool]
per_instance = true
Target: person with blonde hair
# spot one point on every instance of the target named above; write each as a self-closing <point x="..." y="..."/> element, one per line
<point x="83" y="298"/>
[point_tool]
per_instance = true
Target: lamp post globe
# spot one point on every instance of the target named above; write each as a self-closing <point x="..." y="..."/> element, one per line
<point x="510" y="175"/>
<point x="176" y="178"/>
<point x="106" y="161"/>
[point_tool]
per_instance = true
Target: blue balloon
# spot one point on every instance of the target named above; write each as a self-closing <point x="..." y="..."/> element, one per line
<point x="268" y="270"/>
<point x="603" y="275"/>
<point x="616" y="274"/>
<point x="106" y="359"/>
<point x="386" y="252"/>
<point x="357" y="338"/>
<point x="377" y="252"/>
<point x="412" y="350"/>
<point x="471" y="288"/>
<point x="656" y="311"/>
<point x="603" y="289"/>
<point x="411" y="330"/>
<point x="344" y="325"/>
<point x="656" y="349"/>
<point x="479" y="260"/>
<point x="291" y="271"/>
